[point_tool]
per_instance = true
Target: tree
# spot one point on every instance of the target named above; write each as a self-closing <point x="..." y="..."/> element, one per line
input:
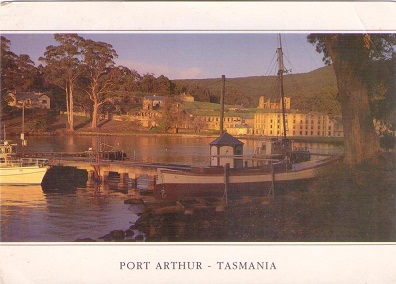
<point x="100" y="74"/>
<point x="8" y="66"/>
<point x="129" y="80"/>
<point x="165" y="86"/>
<point x="350" y="55"/>
<point x="17" y="72"/>
<point x="172" y="115"/>
<point x="26" y="73"/>
<point x="63" y="68"/>
<point x="148" y="83"/>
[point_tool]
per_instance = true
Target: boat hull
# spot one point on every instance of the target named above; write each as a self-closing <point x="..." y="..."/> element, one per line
<point x="173" y="184"/>
<point x="22" y="175"/>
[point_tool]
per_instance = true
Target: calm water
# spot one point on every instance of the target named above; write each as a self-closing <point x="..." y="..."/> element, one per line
<point x="30" y="215"/>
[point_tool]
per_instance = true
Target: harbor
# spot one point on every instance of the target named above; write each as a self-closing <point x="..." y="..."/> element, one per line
<point x="93" y="210"/>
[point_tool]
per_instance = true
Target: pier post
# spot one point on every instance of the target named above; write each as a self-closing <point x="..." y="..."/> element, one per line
<point x="105" y="176"/>
<point x="123" y="177"/>
<point x="90" y="178"/>
<point x="152" y="183"/>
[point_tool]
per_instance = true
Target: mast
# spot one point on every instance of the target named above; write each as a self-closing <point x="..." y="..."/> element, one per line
<point x="281" y="70"/>
<point x="222" y="104"/>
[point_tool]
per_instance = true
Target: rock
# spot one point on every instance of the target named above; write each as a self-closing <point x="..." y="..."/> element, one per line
<point x="129" y="233"/>
<point x="139" y="238"/>
<point x="118" y="235"/>
<point x="85" y="240"/>
<point x="106" y="238"/>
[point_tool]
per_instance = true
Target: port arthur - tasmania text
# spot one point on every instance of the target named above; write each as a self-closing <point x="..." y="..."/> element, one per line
<point x="197" y="265"/>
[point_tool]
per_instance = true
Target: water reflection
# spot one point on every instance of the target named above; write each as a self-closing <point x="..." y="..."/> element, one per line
<point x="28" y="214"/>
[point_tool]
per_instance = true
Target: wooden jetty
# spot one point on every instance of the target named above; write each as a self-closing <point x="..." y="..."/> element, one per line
<point x="141" y="174"/>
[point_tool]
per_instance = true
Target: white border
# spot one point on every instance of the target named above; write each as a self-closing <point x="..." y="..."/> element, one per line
<point x="295" y="262"/>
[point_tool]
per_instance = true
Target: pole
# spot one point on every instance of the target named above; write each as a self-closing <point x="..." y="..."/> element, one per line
<point x="226" y="168"/>
<point x="281" y="69"/>
<point x="222" y="104"/>
<point x="23" y="127"/>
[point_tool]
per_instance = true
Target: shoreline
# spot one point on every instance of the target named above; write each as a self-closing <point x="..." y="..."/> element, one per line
<point x="331" y="140"/>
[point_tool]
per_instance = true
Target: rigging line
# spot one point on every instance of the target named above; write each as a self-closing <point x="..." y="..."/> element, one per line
<point x="271" y="63"/>
<point x="309" y="54"/>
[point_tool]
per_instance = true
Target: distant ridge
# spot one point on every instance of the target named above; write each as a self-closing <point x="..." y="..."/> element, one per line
<point x="312" y="91"/>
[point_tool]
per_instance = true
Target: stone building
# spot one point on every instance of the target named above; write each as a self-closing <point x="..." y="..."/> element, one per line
<point x="297" y="124"/>
<point x="152" y="102"/>
<point x="274" y="105"/>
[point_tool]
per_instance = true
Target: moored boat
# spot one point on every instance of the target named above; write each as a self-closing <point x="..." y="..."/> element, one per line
<point x="20" y="171"/>
<point x="220" y="181"/>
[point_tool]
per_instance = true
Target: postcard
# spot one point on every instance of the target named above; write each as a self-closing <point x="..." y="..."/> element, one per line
<point x="201" y="142"/>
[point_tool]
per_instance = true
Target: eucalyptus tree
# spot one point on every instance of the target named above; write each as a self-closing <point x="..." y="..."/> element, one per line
<point x="350" y="56"/>
<point x="8" y="66"/>
<point x="165" y="86"/>
<point x="26" y="73"/>
<point x="18" y="72"/>
<point x="63" y="68"/>
<point x="128" y="81"/>
<point x="100" y="74"/>
<point x="148" y="83"/>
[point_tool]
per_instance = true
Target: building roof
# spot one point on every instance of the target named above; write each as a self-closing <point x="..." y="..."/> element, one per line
<point x="27" y="95"/>
<point x="226" y="139"/>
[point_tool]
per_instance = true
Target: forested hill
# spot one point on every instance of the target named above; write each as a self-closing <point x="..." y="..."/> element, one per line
<point x="313" y="91"/>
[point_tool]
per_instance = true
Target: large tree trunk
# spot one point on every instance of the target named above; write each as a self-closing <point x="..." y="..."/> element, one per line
<point x="71" y="107"/>
<point x="361" y="141"/>
<point x="95" y="113"/>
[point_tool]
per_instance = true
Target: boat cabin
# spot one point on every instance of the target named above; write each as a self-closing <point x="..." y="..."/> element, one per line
<point x="6" y="152"/>
<point x="226" y="149"/>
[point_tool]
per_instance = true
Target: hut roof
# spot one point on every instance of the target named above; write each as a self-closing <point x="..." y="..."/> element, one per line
<point x="226" y="139"/>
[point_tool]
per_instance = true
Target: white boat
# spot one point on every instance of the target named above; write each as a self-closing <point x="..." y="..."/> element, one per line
<point x="20" y="171"/>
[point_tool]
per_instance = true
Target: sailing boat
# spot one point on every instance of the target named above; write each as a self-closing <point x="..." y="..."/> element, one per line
<point x="229" y="175"/>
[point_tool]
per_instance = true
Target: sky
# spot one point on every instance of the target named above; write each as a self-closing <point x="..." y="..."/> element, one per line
<point x="191" y="55"/>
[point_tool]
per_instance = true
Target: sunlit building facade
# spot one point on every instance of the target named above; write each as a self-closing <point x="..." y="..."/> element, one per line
<point x="297" y="124"/>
